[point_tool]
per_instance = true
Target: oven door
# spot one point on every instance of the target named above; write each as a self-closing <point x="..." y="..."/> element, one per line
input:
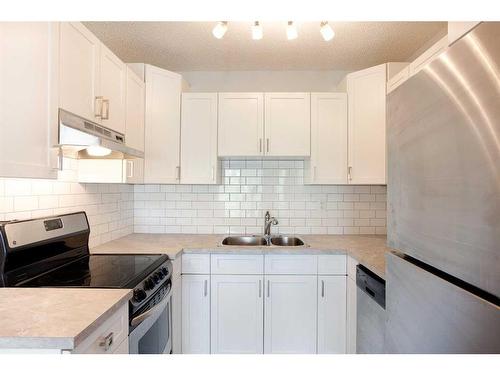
<point x="151" y="331"/>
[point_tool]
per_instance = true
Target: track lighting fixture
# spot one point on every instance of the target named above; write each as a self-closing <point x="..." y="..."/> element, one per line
<point x="220" y="29"/>
<point x="291" y="30"/>
<point x="326" y="31"/>
<point x="257" y="32"/>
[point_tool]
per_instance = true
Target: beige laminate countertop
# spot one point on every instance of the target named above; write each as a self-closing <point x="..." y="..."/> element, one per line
<point x="54" y="318"/>
<point x="368" y="250"/>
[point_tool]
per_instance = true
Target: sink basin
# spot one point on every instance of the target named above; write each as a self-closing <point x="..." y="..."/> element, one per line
<point x="244" y="241"/>
<point x="286" y="241"/>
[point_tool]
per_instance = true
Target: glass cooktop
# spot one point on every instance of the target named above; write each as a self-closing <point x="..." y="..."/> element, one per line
<point x="100" y="271"/>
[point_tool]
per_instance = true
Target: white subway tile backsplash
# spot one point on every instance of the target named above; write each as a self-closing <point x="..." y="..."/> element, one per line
<point x="249" y="188"/>
<point x="109" y="207"/>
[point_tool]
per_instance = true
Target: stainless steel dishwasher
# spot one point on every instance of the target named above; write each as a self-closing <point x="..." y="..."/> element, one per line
<point x="370" y="324"/>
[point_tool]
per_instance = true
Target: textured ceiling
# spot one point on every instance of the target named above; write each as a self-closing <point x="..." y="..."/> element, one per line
<point x="184" y="46"/>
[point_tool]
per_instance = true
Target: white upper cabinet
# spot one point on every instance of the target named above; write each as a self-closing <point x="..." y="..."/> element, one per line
<point x="332" y="314"/>
<point x="28" y="99"/>
<point x="162" y="129"/>
<point x="237" y="314"/>
<point x="79" y="71"/>
<point x="287" y="124"/>
<point x="366" y="126"/>
<point x="92" y="79"/>
<point x="113" y="80"/>
<point x="290" y="312"/>
<point x="241" y="124"/>
<point x="134" y="119"/>
<point x="199" y="139"/>
<point x="328" y="162"/>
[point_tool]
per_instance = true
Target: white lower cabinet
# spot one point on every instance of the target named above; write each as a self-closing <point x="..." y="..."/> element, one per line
<point x="237" y="314"/>
<point x="290" y="314"/>
<point x="331" y="314"/>
<point x="195" y="314"/>
<point x="252" y="304"/>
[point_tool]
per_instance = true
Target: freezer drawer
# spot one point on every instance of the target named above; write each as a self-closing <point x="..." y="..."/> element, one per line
<point x="428" y="314"/>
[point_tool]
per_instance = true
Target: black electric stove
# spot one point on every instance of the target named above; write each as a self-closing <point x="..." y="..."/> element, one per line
<point x="54" y="252"/>
<point x="100" y="271"/>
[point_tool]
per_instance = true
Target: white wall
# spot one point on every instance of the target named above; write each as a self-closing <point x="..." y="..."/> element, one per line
<point x="109" y="207"/>
<point x="308" y="81"/>
<point x="249" y="188"/>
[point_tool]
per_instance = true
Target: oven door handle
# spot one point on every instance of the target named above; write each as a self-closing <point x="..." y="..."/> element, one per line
<point x="146" y="314"/>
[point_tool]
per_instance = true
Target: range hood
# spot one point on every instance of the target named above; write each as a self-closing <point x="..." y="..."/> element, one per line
<point x="80" y="138"/>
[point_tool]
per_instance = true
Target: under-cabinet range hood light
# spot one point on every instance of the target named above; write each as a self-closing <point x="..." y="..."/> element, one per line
<point x="83" y="139"/>
<point x="98" y="151"/>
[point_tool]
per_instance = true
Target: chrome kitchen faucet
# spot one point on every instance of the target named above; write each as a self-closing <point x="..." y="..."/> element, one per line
<point x="268" y="221"/>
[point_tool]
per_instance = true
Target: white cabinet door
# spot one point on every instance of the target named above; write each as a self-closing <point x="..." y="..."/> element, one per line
<point x="162" y="131"/>
<point x="287" y="124"/>
<point x="237" y="314"/>
<point x="28" y="99"/>
<point x="366" y="125"/>
<point x="199" y="138"/>
<point x="79" y="71"/>
<point x="113" y="80"/>
<point x="241" y="124"/>
<point x="290" y="314"/>
<point x="196" y="314"/>
<point x="332" y="314"/>
<point x="328" y="163"/>
<point x="134" y="109"/>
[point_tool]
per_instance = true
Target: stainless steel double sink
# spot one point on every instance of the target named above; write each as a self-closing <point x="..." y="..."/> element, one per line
<point x="262" y="241"/>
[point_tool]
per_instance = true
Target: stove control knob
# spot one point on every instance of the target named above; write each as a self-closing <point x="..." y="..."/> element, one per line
<point x="139" y="295"/>
<point x="149" y="284"/>
<point x="160" y="275"/>
<point x="155" y="278"/>
<point x="164" y="271"/>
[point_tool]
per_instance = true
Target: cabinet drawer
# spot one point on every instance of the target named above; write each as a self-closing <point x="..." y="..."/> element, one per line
<point x="114" y="329"/>
<point x="332" y="265"/>
<point x="237" y="264"/>
<point x="291" y="264"/>
<point x="196" y="263"/>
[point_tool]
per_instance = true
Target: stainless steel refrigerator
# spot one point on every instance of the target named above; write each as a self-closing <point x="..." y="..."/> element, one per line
<point x="443" y="132"/>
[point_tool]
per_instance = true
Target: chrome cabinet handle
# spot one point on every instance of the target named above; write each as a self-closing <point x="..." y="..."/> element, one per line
<point x="130" y="170"/>
<point x="105" y="104"/>
<point x="322" y="288"/>
<point x="260" y="145"/>
<point x="106" y="342"/>
<point x="349" y="173"/>
<point x="205" y="288"/>
<point x="268" y="288"/>
<point x="98" y="106"/>
<point x="267" y="144"/>
<point x="260" y="288"/>
<point x="178" y="172"/>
